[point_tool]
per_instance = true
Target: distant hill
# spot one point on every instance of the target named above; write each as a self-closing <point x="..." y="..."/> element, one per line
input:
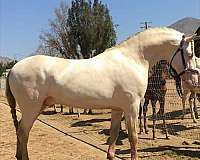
<point x="5" y="60"/>
<point x="187" y="25"/>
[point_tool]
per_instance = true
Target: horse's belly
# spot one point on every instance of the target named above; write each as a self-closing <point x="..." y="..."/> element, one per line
<point x="79" y="94"/>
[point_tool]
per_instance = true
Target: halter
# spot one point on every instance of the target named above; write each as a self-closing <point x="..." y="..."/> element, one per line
<point x="173" y="72"/>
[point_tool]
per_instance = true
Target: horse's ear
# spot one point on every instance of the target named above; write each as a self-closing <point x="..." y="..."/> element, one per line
<point x="190" y="38"/>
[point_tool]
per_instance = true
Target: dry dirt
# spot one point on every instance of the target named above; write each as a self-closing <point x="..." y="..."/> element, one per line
<point x="44" y="143"/>
<point x="67" y="137"/>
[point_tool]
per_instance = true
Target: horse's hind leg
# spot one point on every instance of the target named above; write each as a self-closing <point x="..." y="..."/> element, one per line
<point x="162" y="104"/>
<point x="153" y="103"/>
<point x="61" y="108"/>
<point x="18" y="152"/>
<point x="145" y="109"/>
<point x="114" y="131"/>
<point x="29" y="115"/>
<point x="140" y="119"/>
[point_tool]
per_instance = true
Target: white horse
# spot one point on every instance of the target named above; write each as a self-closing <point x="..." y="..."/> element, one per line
<point x="189" y="76"/>
<point x="115" y="79"/>
<point x="193" y="90"/>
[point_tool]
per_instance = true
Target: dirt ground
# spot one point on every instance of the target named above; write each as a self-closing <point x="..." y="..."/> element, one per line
<point x="67" y="137"/>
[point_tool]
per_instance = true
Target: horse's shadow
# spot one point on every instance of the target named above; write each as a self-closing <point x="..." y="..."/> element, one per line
<point x="173" y="115"/>
<point x="122" y="135"/>
<point x="172" y="128"/>
<point x="176" y="114"/>
<point x="89" y="122"/>
<point x="182" y="151"/>
<point x="48" y="112"/>
<point x="191" y="152"/>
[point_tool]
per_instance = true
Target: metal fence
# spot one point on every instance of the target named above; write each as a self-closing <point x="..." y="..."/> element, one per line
<point x="2" y="84"/>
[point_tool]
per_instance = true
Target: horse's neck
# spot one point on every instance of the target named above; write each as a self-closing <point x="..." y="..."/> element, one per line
<point x="162" y="50"/>
<point x="153" y="45"/>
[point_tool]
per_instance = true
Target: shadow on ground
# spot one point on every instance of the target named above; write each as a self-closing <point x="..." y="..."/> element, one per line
<point x="182" y="151"/>
<point x="89" y="122"/>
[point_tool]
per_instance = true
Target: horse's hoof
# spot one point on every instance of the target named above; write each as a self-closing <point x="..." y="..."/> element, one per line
<point x="167" y="137"/>
<point x="194" y="121"/>
<point x="141" y="131"/>
<point x="90" y="113"/>
<point x="19" y="157"/>
<point x="146" y="132"/>
<point x="109" y="157"/>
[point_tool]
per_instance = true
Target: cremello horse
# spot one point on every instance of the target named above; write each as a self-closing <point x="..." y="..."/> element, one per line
<point x="192" y="89"/>
<point x="189" y="76"/>
<point x="115" y="79"/>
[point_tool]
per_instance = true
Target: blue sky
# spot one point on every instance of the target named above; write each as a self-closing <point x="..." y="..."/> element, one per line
<point x="21" y="21"/>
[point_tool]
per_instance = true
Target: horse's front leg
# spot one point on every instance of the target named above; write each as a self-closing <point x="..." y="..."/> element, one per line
<point x="71" y="110"/>
<point x="185" y="92"/>
<point x="114" y="131"/>
<point x="195" y="107"/>
<point x="192" y="97"/>
<point x="132" y="119"/>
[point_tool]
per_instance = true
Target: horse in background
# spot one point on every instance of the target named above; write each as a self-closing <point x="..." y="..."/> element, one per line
<point x="186" y="90"/>
<point x="189" y="78"/>
<point x="115" y="79"/>
<point x="192" y="101"/>
<point x="156" y="91"/>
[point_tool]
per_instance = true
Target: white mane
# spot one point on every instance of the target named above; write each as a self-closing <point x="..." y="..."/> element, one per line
<point x="153" y="35"/>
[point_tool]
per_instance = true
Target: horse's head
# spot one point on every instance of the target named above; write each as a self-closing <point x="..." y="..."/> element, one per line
<point x="187" y="45"/>
<point x="183" y="59"/>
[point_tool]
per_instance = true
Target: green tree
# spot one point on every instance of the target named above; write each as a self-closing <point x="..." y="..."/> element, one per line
<point x="2" y="69"/>
<point x="81" y="31"/>
<point x="10" y="64"/>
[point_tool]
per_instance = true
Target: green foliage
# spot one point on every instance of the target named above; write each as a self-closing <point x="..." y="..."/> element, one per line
<point x="91" y="27"/>
<point x="2" y="69"/>
<point x="11" y="64"/>
<point x="81" y="31"/>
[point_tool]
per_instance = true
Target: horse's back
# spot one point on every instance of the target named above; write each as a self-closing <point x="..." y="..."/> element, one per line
<point x="29" y="75"/>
